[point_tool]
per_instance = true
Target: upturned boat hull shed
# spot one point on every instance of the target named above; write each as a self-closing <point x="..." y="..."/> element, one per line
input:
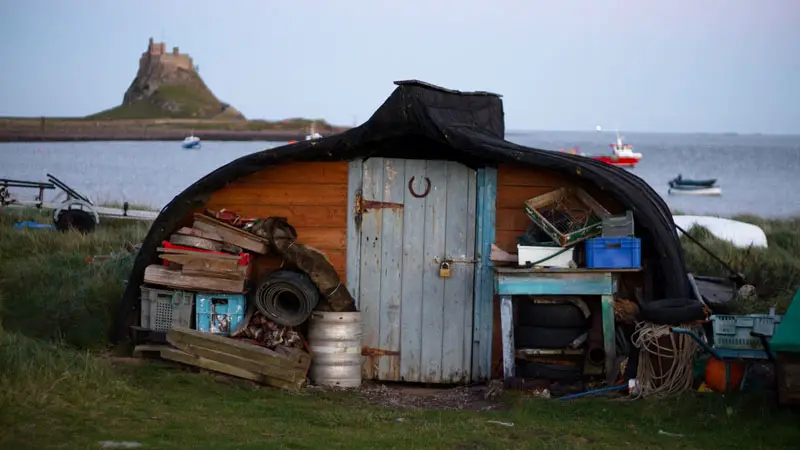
<point x="428" y="179"/>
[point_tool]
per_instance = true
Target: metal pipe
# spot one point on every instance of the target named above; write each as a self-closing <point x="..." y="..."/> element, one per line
<point x="618" y="387"/>
<point x="697" y="338"/>
<point x="735" y="274"/>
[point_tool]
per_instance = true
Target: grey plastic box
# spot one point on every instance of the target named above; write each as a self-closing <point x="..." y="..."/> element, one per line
<point x="164" y="309"/>
<point x="618" y="226"/>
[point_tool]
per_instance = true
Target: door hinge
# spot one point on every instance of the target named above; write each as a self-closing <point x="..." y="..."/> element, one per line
<point x="363" y="205"/>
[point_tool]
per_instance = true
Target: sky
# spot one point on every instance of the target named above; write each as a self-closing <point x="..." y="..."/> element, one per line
<point x="637" y="65"/>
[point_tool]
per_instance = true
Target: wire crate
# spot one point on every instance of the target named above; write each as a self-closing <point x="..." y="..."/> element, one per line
<point x="567" y="215"/>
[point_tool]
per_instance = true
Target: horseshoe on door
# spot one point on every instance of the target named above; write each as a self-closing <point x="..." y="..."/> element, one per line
<point x="427" y="187"/>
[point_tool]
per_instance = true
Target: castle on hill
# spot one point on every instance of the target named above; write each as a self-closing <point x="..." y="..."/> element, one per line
<point x="158" y="51"/>
<point x="167" y="85"/>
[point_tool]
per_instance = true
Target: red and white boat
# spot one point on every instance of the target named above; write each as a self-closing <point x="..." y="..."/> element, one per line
<point x="623" y="155"/>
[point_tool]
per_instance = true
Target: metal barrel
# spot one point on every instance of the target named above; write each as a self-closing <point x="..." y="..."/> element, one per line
<point x="334" y="339"/>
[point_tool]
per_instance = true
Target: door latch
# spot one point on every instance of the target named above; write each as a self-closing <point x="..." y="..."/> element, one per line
<point x="438" y="260"/>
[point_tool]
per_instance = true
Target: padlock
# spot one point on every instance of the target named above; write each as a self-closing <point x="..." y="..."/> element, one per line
<point x="444" y="269"/>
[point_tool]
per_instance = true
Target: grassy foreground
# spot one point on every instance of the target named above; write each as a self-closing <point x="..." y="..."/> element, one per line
<point x="58" y="389"/>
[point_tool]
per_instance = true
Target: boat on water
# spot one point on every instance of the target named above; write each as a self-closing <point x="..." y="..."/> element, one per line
<point x="191" y="141"/>
<point x="313" y="134"/>
<point x="680" y="181"/>
<point x="687" y="186"/>
<point x="623" y="154"/>
<point x="695" y="190"/>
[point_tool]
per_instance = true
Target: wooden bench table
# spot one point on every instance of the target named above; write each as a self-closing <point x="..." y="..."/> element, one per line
<point x="511" y="281"/>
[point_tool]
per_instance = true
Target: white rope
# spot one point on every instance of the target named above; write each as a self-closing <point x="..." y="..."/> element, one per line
<point x="654" y="375"/>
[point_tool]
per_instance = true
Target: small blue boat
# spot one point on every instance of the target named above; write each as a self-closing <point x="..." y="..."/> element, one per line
<point x="679" y="181"/>
<point x="191" y="142"/>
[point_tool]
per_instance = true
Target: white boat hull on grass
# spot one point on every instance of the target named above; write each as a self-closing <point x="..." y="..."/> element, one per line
<point x="696" y="191"/>
<point x="740" y="234"/>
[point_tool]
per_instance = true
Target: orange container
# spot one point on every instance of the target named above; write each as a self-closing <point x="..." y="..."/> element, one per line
<point x="722" y="376"/>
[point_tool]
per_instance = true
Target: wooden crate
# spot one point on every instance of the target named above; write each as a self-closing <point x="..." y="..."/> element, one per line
<point x="567" y="200"/>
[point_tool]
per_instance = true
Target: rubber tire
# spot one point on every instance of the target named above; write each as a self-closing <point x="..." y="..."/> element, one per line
<point x="542" y="337"/>
<point x="672" y="311"/>
<point x="75" y="219"/>
<point x="542" y="371"/>
<point x="551" y="315"/>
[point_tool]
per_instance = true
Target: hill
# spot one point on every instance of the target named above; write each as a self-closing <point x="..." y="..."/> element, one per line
<point x="167" y="85"/>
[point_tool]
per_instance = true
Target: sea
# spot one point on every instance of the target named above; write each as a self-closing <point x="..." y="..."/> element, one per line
<point x="758" y="174"/>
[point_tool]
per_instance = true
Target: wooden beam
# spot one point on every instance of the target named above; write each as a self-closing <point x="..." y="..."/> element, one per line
<point x="234" y="276"/>
<point x="196" y="242"/>
<point x="215" y="366"/>
<point x="160" y="275"/>
<point x="200" y="262"/>
<point x="231" y="234"/>
<point x="293" y="360"/>
<point x="199" y="233"/>
<point x="291" y="375"/>
<point x="178" y="251"/>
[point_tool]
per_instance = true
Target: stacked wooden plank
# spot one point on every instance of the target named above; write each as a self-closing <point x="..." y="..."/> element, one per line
<point x="215" y="256"/>
<point x="284" y="367"/>
<point x="208" y="256"/>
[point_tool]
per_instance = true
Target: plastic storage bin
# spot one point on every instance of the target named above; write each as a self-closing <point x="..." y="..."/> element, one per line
<point x="558" y="256"/>
<point x="164" y="309"/>
<point x="733" y="332"/>
<point x="614" y="253"/>
<point x="618" y="226"/>
<point x="219" y="313"/>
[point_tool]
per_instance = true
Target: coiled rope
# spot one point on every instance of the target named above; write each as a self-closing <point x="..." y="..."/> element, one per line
<point x="655" y="377"/>
<point x="286" y="297"/>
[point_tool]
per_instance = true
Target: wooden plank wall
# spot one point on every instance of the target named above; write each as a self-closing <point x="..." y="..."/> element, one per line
<point x="311" y="195"/>
<point x="514" y="186"/>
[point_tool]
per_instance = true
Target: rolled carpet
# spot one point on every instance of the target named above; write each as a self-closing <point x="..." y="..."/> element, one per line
<point x="286" y="297"/>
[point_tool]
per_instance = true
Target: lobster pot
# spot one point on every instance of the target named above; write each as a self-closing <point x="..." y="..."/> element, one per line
<point x="334" y="339"/>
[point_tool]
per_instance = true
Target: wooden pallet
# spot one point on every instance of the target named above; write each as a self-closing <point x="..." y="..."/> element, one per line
<point x="286" y="369"/>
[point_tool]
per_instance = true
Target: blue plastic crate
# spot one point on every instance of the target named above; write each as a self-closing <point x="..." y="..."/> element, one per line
<point x="614" y="253"/>
<point x="219" y="313"/>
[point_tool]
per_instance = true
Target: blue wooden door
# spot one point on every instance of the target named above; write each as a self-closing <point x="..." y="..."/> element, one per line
<point x="409" y="216"/>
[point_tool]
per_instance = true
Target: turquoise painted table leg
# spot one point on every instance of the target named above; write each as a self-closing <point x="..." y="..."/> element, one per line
<point x="609" y="338"/>
<point x="507" y="328"/>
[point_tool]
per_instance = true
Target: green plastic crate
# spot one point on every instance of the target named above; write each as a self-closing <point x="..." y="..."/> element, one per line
<point x="733" y="332"/>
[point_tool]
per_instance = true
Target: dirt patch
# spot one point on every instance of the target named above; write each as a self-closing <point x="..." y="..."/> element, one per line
<point x="475" y="398"/>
